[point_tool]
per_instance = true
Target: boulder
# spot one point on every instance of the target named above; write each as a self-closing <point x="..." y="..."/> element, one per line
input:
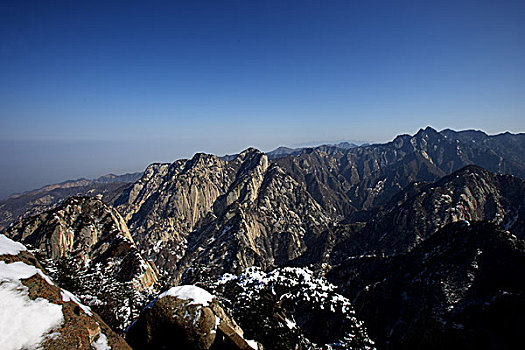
<point x="186" y="317"/>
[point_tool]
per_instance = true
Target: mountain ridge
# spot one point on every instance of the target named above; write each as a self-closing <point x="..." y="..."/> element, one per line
<point x="324" y="209"/>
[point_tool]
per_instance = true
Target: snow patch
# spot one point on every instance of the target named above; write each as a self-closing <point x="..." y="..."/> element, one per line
<point x="101" y="343"/>
<point x="252" y="344"/>
<point x="18" y="331"/>
<point x="194" y="294"/>
<point x="19" y="270"/>
<point x="68" y="296"/>
<point x="290" y="324"/>
<point x="217" y="324"/>
<point x="10" y="247"/>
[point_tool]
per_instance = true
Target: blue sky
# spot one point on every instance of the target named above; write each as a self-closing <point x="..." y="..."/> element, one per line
<point x="92" y="87"/>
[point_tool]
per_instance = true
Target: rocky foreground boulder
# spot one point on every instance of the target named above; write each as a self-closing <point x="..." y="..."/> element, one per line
<point x="36" y="313"/>
<point x="189" y="317"/>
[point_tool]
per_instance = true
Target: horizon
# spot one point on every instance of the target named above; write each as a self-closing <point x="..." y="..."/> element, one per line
<point x="110" y="87"/>
<point x="312" y="144"/>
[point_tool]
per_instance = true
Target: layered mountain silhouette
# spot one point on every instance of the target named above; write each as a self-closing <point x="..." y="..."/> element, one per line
<point x="45" y="198"/>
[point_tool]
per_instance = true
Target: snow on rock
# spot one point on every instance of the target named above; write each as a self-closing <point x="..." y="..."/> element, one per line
<point x="36" y="314"/>
<point x="252" y="344"/>
<point x="24" y="323"/>
<point x="292" y="307"/>
<point x="194" y="294"/>
<point x="290" y="324"/>
<point x="10" y="247"/>
<point x="67" y="296"/>
<point x="19" y="270"/>
<point x="101" y="343"/>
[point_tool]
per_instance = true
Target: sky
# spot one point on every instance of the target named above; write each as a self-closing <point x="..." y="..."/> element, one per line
<point x="95" y="87"/>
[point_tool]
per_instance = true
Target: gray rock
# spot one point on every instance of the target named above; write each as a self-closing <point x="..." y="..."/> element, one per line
<point x="176" y="320"/>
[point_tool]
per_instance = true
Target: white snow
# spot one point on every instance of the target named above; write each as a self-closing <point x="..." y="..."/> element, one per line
<point x="19" y="270"/>
<point x="196" y="295"/>
<point x="290" y="324"/>
<point x="24" y="323"/>
<point x="10" y="247"/>
<point x="68" y="296"/>
<point x="217" y="323"/>
<point x="252" y="344"/>
<point x="101" y="343"/>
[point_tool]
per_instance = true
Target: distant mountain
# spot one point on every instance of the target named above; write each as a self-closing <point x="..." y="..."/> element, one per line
<point x="286" y="151"/>
<point x="469" y="194"/>
<point x="37" y="201"/>
<point x="283" y="151"/>
<point x="344" y="181"/>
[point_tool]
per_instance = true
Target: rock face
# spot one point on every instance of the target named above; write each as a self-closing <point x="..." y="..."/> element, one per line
<point x="86" y="247"/>
<point x="220" y="215"/>
<point x="36" y="313"/>
<point x="189" y="317"/>
<point x="382" y="207"/>
<point x="461" y="288"/>
<point x="202" y="217"/>
<point x="90" y="232"/>
<point x="345" y="180"/>
<point x="471" y="193"/>
<point x="46" y="198"/>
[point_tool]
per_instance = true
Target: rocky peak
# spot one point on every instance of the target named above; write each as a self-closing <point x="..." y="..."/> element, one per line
<point x="179" y="210"/>
<point x="472" y="193"/>
<point x="248" y="153"/>
<point x="203" y="160"/>
<point x="89" y="231"/>
<point x="427" y="132"/>
<point x="465" y="135"/>
<point x="281" y="225"/>
<point x="248" y="179"/>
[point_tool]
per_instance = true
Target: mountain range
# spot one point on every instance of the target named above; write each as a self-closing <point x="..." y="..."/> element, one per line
<point x="421" y="238"/>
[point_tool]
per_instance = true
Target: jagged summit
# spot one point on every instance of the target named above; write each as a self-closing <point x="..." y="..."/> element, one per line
<point x="176" y="207"/>
<point x="471" y="193"/>
<point x="427" y="131"/>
